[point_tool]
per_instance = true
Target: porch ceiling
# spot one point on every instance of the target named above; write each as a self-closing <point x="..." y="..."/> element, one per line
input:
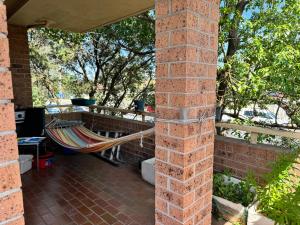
<point x="73" y="15"/>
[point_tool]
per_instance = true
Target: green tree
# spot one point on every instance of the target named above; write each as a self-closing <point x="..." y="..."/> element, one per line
<point x="259" y="55"/>
<point x="259" y="58"/>
<point x="45" y="77"/>
<point x="114" y="64"/>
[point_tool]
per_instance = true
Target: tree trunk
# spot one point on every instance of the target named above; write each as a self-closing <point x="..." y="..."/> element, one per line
<point x="233" y="45"/>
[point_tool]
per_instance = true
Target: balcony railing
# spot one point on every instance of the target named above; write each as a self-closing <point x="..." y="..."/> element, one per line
<point x="137" y="115"/>
<point x="150" y="117"/>
<point x="255" y="131"/>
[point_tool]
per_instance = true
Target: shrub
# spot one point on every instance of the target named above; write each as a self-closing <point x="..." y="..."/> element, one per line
<point x="279" y="199"/>
<point x="236" y="192"/>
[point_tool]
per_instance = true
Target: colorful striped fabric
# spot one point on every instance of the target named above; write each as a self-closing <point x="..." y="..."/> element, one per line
<point x="81" y="139"/>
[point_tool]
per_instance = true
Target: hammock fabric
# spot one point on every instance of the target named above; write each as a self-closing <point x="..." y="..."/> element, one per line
<point x="79" y="138"/>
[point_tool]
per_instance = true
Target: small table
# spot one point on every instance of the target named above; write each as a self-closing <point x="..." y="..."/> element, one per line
<point x="32" y="141"/>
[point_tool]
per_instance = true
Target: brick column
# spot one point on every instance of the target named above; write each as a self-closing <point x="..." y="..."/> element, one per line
<point x="20" y="65"/>
<point x="186" y="57"/>
<point x="11" y="203"/>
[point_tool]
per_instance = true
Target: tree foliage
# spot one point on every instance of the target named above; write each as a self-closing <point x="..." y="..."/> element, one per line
<point x="279" y="199"/>
<point x="114" y="64"/>
<point x="259" y="58"/>
<point x="259" y="55"/>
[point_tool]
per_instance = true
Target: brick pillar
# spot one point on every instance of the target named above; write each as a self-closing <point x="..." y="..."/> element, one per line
<point x="11" y="203"/>
<point x="186" y="57"/>
<point x="20" y="65"/>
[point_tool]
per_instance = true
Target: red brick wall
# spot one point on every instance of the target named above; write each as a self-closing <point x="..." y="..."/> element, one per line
<point x="11" y="202"/>
<point x="239" y="156"/>
<point x="20" y="65"/>
<point x="186" y="60"/>
<point x="64" y="116"/>
<point x="235" y="155"/>
<point x="132" y="151"/>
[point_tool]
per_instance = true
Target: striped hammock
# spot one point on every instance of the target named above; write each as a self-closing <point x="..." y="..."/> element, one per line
<point x="79" y="138"/>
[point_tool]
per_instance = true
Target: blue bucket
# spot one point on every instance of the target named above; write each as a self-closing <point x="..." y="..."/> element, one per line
<point x="83" y="102"/>
<point x="139" y="105"/>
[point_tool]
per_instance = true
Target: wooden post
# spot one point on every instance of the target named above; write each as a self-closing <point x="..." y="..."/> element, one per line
<point x="253" y="137"/>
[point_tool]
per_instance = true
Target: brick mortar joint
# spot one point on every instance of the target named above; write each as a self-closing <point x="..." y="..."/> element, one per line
<point x="187" y="28"/>
<point x="177" y="78"/>
<point x="186" y="12"/>
<point x="168" y="215"/>
<point x="201" y="148"/>
<point x="8" y="163"/>
<point x="188" y="207"/>
<point x="3" y="69"/>
<point x="5" y="101"/>
<point x="241" y="162"/>
<point x="184" y="121"/>
<point x="186" y="180"/>
<point x="15" y="218"/>
<point x="185" y="76"/>
<point x="233" y="169"/>
<point x="189" y="137"/>
<point x="186" y="61"/>
<point x="9" y="192"/>
<point x="186" y="45"/>
<point x="10" y="132"/>
<point x="234" y="141"/>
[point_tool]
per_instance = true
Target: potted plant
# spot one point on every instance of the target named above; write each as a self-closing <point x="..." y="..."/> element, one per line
<point x="139" y="105"/>
<point x="256" y="218"/>
<point x="275" y="202"/>
<point x="232" y="197"/>
<point x="83" y="102"/>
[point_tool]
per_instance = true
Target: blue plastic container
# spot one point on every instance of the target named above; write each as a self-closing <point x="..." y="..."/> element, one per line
<point x="139" y="105"/>
<point x="83" y="102"/>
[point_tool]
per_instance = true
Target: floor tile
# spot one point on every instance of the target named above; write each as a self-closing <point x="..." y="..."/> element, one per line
<point x="81" y="189"/>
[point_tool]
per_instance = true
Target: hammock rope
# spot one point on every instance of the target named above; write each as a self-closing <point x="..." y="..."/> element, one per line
<point x="141" y="140"/>
<point x="73" y="135"/>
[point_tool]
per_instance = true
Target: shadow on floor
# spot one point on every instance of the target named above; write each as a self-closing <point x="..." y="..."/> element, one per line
<point x="82" y="189"/>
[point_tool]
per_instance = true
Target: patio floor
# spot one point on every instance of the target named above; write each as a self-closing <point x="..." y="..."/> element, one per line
<point x="82" y="189"/>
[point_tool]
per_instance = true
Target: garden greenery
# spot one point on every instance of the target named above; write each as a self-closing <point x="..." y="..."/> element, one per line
<point x="113" y="64"/>
<point x="279" y="199"/>
<point x="242" y="192"/>
<point x="259" y="55"/>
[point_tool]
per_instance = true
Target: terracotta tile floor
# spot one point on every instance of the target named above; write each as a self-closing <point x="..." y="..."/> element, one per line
<point x="82" y="189"/>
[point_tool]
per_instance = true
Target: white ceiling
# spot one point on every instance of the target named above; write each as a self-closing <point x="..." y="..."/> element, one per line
<point x="73" y="15"/>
